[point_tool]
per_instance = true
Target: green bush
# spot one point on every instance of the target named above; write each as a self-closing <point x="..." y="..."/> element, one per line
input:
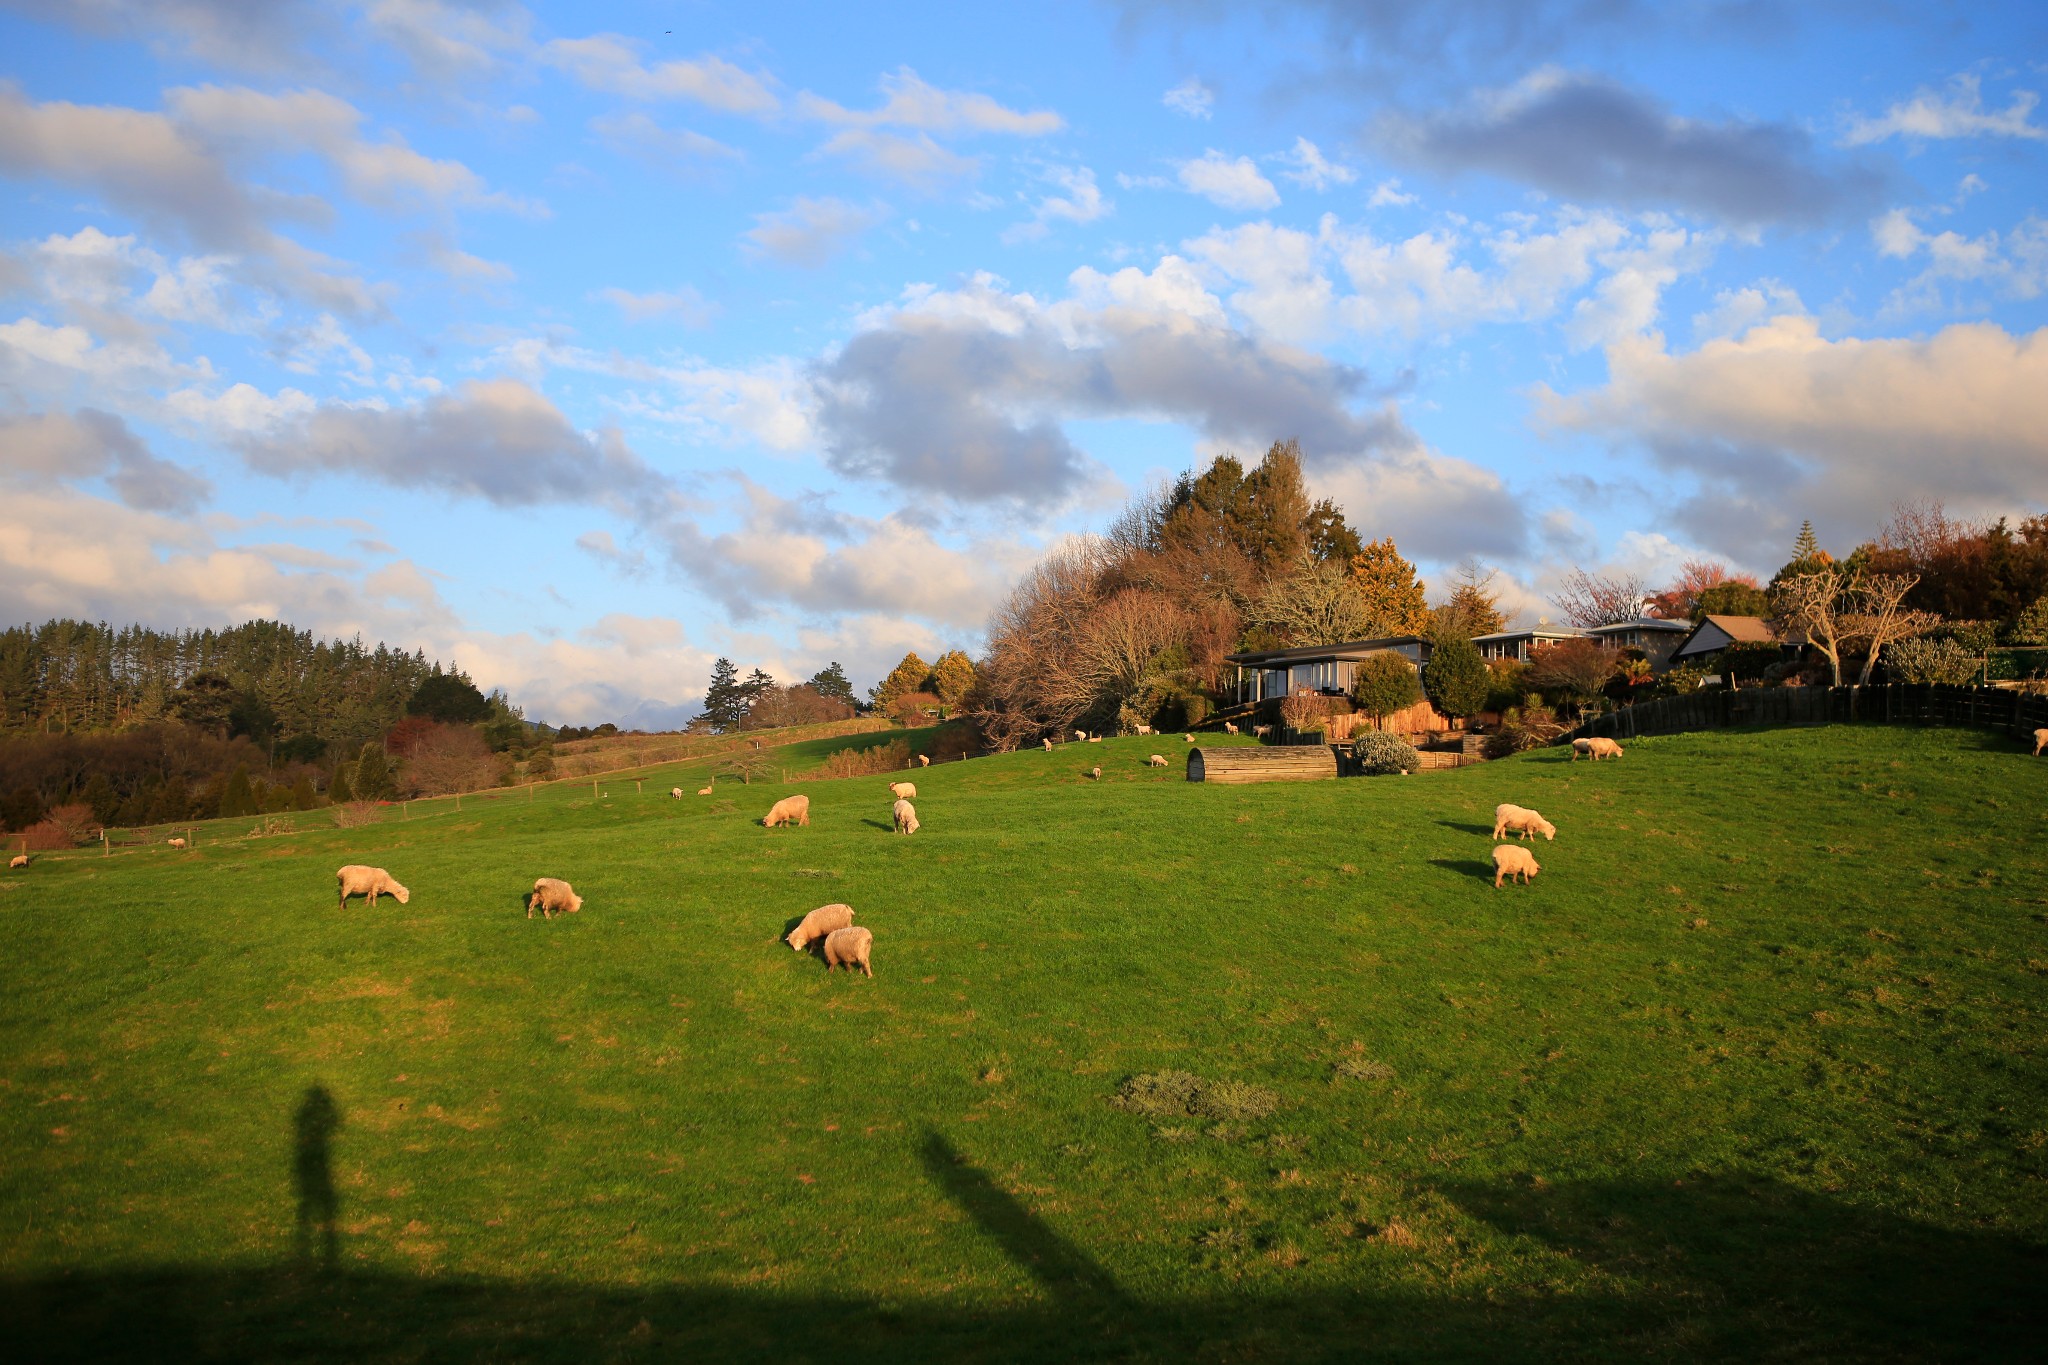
<point x="1384" y="684"/>
<point x="1505" y="684"/>
<point x="1523" y="728"/>
<point x="1926" y="659"/>
<point x="2030" y="627"/>
<point x="1455" y="679"/>
<point x="1750" y="661"/>
<point x="1379" y="754"/>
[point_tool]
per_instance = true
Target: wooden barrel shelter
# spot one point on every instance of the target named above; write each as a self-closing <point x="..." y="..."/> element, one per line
<point x="1250" y="763"/>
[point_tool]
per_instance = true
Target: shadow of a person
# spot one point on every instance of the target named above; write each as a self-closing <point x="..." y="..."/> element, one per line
<point x="313" y="1170"/>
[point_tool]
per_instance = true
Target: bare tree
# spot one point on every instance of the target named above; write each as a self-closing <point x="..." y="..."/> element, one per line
<point x="1590" y="599"/>
<point x="1812" y="603"/>
<point x="1881" y="619"/>
<point x="1316" y="604"/>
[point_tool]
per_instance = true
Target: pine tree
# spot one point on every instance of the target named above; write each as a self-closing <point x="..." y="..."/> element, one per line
<point x="830" y="682"/>
<point x="1455" y="679"/>
<point x="1808" y="544"/>
<point x="1394" y="598"/>
<point x="725" y="704"/>
<point x="341" y="790"/>
<point x="952" y="677"/>
<point x="372" y="778"/>
<point x="303" y="795"/>
<point x="909" y="676"/>
<point x="238" y="798"/>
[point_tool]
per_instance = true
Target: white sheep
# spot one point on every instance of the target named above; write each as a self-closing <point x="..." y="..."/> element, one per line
<point x="2040" y="742"/>
<point x="1156" y="761"/>
<point x="552" y="895"/>
<point x="18" y="860"/>
<point x="1144" y="729"/>
<point x="1595" y="749"/>
<point x="1081" y="734"/>
<point x="358" y="880"/>
<point x="790" y="810"/>
<point x="1228" y="728"/>
<point x="1510" y="860"/>
<point x="1048" y="746"/>
<point x="1521" y="820"/>
<point x="924" y="760"/>
<point x="849" y="948"/>
<point x="903" y="791"/>
<point x="704" y="790"/>
<point x="1187" y="739"/>
<point x="822" y="921"/>
<point x="905" y="816"/>
<point x="1095" y="773"/>
<point x="1262" y="730"/>
<point x="675" y="793"/>
<point x="177" y="843"/>
<point x="1095" y="739"/>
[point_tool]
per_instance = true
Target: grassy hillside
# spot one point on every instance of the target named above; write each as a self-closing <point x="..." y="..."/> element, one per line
<point x="1755" y="1068"/>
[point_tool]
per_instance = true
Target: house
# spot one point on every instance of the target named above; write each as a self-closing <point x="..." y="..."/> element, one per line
<point x="1655" y="636"/>
<point x="1516" y="644"/>
<point x="1324" y="669"/>
<point x="1715" y="633"/>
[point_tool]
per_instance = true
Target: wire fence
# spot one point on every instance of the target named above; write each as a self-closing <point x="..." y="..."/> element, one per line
<point x="2008" y="710"/>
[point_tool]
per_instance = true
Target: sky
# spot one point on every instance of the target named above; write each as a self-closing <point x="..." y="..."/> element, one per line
<point x="580" y="345"/>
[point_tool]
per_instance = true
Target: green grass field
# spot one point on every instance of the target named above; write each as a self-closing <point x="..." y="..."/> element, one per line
<point x="1757" y="1068"/>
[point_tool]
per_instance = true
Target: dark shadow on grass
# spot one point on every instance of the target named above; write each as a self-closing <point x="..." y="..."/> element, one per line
<point x="313" y="1129"/>
<point x="1466" y="867"/>
<point x="882" y="825"/>
<point x="1464" y="828"/>
<point x="1736" y="1268"/>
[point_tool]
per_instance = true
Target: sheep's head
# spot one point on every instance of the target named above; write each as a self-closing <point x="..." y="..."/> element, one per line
<point x="575" y="904"/>
<point x="403" y="896"/>
<point x="1546" y="829"/>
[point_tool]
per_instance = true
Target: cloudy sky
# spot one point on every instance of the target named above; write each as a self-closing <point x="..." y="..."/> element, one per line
<point x="584" y="343"/>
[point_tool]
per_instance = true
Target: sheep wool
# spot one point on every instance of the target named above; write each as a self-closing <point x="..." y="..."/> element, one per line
<point x="849" y="948"/>
<point x="2040" y="742"/>
<point x="1512" y="860"/>
<point x="790" y="810"/>
<point x="1156" y="761"/>
<point x="906" y="817"/>
<point x="372" y="882"/>
<point x="903" y="791"/>
<point x="552" y="896"/>
<point x="924" y="760"/>
<point x="704" y="790"/>
<point x="675" y="793"/>
<point x="1595" y="749"/>
<point x="18" y="860"/>
<point x="177" y="843"/>
<point x="824" y="920"/>
<point x="1520" y="820"/>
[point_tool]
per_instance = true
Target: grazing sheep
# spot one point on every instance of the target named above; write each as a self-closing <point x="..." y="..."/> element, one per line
<point x="1262" y="730"/>
<point x="18" y="860"/>
<point x="905" y="816"/>
<point x="824" y="920"/>
<point x="1511" y="860"/>
<point x="704" y="790"/>
<point x="1228" y="728"/>
<point x="849" y="948"/>
<point x="552" y="894"/>
<point x="1048" y="746"/>
<point x="675" y="793"/>
<point x="790" y="810"/>
<point x="2040" y="742"/>
<point x="1144" y="729"/>
<point x="1520" y="820"/>
<point x="357" y="880"/>
<point x="1095" y="773"/>
<point x="1595" y="749"/>
<point x="924" y="760"/>
<point x="1156" y="761"/>
<point x="903" y="791"/>
<point x="177" y="843"/>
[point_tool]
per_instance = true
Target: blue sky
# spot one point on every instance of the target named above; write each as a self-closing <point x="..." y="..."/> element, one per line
<point x="582" y="344"/>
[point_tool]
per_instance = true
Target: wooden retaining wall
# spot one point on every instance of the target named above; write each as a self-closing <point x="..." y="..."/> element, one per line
<point x="1278" y="763"/>
<point x="1993" y="708"/>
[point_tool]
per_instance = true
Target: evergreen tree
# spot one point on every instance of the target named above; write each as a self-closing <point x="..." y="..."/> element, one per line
<point x="909" y="676"/>
<point x="372" y="779"/>
<point x="237" y="797"/>
<point x="1330" y="538"/>
<point x="830" y="683"/>
<point x="1474" y="607"/>
<point x="100" y="795"/>
<point x="450" y="698"/>
<point x="725" y="703"/>
<point x="1807" y="546"/>
<point x="1275" y="531"/>
<point x="340" y="789"/>
<point x="757" y="685"/>
<point x="1455" y="679"/>
<point x="303" y="795"/>
<point x="1384" y="684"/>
<point x="1393" y="596"/>
<point x="952" y="677"/>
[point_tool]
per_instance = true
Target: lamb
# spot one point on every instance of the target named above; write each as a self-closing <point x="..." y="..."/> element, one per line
<point x="704" y="790"/>
<point x="18" y="860"/>
<point x="1048" y="746"/>
<point x="1511" y="860"/>
<point x="906" y="817"/>
<point x="849" y="947"/>
<point x="552" y="894"/>
<point x="177" y="843"/>
<point x="675" y="793"/>
<point x="357" y="880"/>
<point x="924" y="760"/>
<point x="1144" y="729"/>
<point x="1081" y="734"/>
<point x="825" y="920"/>
<point x="1595" y="749"/>
<point x="1095" y="773"/>
<point x="1228" y="728"/>
<point x="790" y="810"/>
<point x="1095" y="739"/>
<point x="2040" y="742"/>
<point x="903" y="791"/>
<point x="1156" y="761"/>
<point x="1187" y="739"/>
<point x="1262" y="730"/>
<point x="1521" y="820"/>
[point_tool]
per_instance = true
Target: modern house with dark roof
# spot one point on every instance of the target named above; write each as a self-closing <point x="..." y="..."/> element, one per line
<point x="1715" y="633"/>
<point x="1516" y="644"/>
<point x="1326" y="669"/>
<point x="1655" y="636"/>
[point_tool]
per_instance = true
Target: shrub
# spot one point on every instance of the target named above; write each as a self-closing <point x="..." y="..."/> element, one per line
<point x="1749" y="661"/>
<point x="913" y="708"/>
<point x="1506" y="682"/>
<point x="355" y="814"/>
<point x="1304" y="711"/>
<point x="1927" y="660"/>
<point x="1384" y="684"/>
<point x="1575" y="669"/>
<point x="1379" y="754"/>
<point x="540" y="765"/>
<point x="77" y="821"/>
<point x="1684" y="681"/>
<point x="1521" y="729"/>
<point x="1456" y="679"/>
<point x="44" y="836"/>
<point x="877" y="758"/>
<point x="2030" y="627"/>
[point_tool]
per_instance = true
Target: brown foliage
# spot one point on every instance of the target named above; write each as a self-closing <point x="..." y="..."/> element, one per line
<point x="1579" y="668"/>
<point x="798" y="705"/>
<point x="876" y="758"/>
<point x="446" y="759"/>
<point x="1590" y="599"/>
<point x="1695" y="576"/>
<point x="1304" y="711"/>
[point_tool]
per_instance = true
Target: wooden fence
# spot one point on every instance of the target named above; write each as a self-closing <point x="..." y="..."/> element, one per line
<point x="1994" y="708"/>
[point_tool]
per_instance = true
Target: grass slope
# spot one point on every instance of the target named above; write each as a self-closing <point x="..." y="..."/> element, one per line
<point x="1755" y="1068"/>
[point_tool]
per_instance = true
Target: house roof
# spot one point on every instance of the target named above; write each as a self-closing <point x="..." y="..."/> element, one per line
<point x="1533" y="633"/>
<point x="1718" y="632"/>
<point x="1640" y="623"/>
<point x="1315" y="654"/>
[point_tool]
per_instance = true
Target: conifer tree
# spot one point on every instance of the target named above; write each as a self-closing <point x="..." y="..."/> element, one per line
<point x="725" y="702"/>
<point x="341" y="790"/>
<point x="372" y="778"/>
<point x="238" y="798"/>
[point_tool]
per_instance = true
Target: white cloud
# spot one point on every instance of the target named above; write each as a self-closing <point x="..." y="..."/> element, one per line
<point x="1081" y="202"/>
<point x="673" y="149"/>
<point x="1389" y="194"/>
<point x="613" y="64"/>
<point x="916" y="160"/>
<point x="451" y="41"/>
<point x="1627" y="299"/>
<point x="1227" y="182"/>
<point x="810" y="232"/>
<point x="1191" y="99"/>
<point x="684" y="306"/>
<point x="1737" y="310"/>
<point x="1962" y="271"/>
<point x="1960" y="112"/>
<point x="910" y="102"/>
<point x="1311" y="170"/>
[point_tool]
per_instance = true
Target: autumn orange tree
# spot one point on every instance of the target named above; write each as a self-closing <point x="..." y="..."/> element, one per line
<point x="1392" y="595"/>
